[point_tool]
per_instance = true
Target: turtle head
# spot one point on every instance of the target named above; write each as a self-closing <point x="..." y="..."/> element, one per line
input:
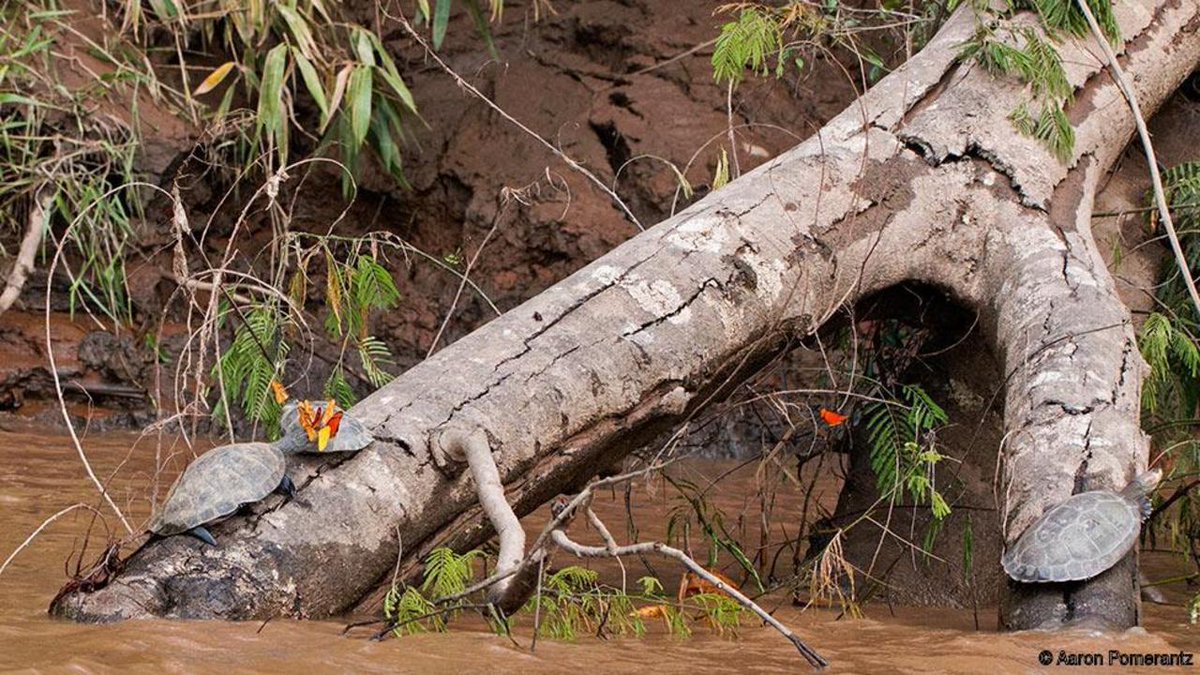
<point x="1143" y="484"/>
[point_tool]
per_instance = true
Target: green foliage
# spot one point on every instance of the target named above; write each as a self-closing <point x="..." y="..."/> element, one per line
<point x="1174" y="366"/>
<point x="748" y="42"/>
<point x="249" y="364"/>
<point x="1168" y="343"/>
<point x="290" y="58"/>
<point x="1181" y="187"/>
<point x="693" y="506"/>
<point x="57" y="151"/>
<point x="1024" y="53"/>
<point x="903" y="452"/>
<point x="721" y="612"/>
<point x="573" y="602"/>
<point x="354" y="289"/>
<point x="411" y="613"/>
<point x="408" y="608"/>
<point x="1029" y="55"/>
<point x="449" y="573"/>
<point x="357" y="285"/>
<point x="1168" y="339"/>
<point x="1065" y="17"/>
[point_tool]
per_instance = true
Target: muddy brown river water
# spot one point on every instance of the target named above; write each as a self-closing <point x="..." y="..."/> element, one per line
<point x="40" y="475"/>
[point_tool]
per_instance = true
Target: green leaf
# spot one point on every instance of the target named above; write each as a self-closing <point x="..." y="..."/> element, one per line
<point x="359" y="93"/>
<point x="270" y="99"/>
<point x="390" y="75"/>
<point x="746" y="43"/>
<point x="312" y="82"/>
<point x="441" y="19"/>
<point x="363" y="48"/>
<point x="298" y="27"/>
<point x="482" y="27"/>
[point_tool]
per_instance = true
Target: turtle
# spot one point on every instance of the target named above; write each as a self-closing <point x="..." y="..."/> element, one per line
<point x="1083" y="536"/>
<point x="326" y="425"/>
<point x="224" y="478"/>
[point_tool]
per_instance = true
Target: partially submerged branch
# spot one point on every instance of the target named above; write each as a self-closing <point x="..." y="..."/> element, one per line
<point x="510" y="587"/>
<point x="579" y="550"/>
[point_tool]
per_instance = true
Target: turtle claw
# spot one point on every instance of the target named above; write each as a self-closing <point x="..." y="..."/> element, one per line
<point x="203" y="535"/>
<point x="287" y="487"/>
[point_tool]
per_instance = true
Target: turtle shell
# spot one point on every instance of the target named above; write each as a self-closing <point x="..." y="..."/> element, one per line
<point x="217" y="483"/>
<point x="1077" y="539"/>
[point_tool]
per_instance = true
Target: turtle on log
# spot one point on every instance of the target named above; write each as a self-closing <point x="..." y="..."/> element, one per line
<point x="1083" y="536"/>
<point x="224" y="478"/>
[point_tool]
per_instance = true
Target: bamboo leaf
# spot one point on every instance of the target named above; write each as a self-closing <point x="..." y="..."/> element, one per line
<point x="339" y="90"/>
<point x="441" y="19"/>
<point x="360" y="90"/>
<point x="214" y="79"/>
<point x="270" y="95"/>
<point x="299" y="29"/>
<point x="387" y="70"/>
<point x="312" y="82"/>
<point x="364" y="50"/>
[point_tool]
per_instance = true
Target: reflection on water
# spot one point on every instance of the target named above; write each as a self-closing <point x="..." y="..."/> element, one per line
<point x="41" y="475"/>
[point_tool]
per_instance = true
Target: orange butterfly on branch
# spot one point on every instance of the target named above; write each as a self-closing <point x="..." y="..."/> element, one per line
<point x="832" y="418"/>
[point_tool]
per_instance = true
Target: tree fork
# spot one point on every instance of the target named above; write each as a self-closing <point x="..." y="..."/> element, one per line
<point x="923" y="178"/>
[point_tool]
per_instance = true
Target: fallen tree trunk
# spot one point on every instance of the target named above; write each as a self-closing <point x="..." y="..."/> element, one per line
<point x="923" y="178"/>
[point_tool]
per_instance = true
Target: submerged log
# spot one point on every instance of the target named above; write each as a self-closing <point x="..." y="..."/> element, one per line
<point x="922" y="179"/>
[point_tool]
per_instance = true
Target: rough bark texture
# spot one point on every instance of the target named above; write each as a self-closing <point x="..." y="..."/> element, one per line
<point x="923" y="178"/>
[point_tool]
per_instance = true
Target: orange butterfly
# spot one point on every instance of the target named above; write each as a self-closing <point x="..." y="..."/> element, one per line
<point x="832" y="418"/>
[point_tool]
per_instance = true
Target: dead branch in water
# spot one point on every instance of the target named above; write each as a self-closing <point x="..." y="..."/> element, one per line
<point x="516" y="572"/>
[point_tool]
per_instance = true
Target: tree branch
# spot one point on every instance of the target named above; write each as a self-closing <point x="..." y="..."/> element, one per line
<point x="39" y="220"/>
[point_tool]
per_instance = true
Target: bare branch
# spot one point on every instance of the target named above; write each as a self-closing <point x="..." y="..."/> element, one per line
<point x="39" y="216"/>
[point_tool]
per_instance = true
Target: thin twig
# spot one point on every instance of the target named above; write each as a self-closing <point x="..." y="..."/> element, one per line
<point x="463" y="281"/>
<point x="44" y="525"/>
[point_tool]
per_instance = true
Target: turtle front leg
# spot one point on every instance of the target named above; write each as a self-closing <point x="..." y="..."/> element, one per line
<point x="287" y="487"/>
<point x="203" y="535"/>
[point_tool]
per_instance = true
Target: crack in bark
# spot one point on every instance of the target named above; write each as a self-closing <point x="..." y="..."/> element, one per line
<point x="710" y="282"/>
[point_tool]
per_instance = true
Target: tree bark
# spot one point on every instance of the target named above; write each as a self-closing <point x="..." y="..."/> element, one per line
<point x="922" y="179"/>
